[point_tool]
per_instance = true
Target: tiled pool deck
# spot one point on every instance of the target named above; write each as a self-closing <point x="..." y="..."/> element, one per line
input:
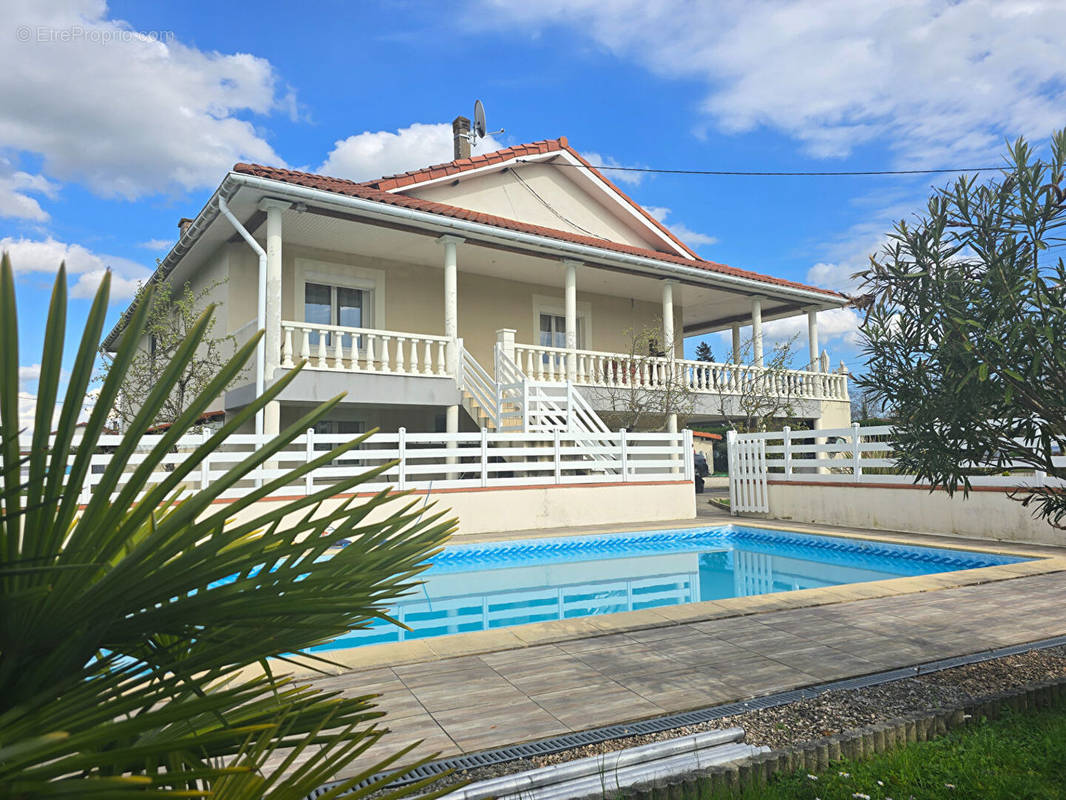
<point x="488" y="689"/>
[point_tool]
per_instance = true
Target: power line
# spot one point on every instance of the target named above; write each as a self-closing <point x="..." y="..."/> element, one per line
<point x="753" y="173"/>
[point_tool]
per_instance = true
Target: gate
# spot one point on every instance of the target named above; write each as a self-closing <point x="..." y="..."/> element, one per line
<point x="747" y="474"/>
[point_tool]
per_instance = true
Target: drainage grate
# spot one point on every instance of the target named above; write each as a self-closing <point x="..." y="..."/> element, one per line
<point x="556" y="744"/>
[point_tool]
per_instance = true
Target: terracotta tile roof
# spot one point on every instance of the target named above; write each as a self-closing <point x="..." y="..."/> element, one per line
<point x="367" y="192"/>
<point x="405" y="179"/>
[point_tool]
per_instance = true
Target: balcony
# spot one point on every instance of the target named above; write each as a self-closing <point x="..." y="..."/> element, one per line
<point x="620" y="370"/>
<point x="341" y="349"/>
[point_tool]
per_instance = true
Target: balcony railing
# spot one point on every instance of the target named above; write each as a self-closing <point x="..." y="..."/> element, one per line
<point x="335" y="347"/>
<point x="620" y="370"/>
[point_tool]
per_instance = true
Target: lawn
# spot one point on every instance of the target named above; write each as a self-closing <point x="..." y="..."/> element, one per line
<point x="1017" y="756"/>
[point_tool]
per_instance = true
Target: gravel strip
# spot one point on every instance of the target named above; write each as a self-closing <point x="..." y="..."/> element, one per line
<point x="829" y="713"/>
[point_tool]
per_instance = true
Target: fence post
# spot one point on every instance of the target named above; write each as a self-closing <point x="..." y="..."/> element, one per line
<point x="484" y="456"/>
<point x="624" y="445"/>
<point x="856" y="452"/>
<point x="558" y="457"/>
<point x="689" y="454"/>
<point x="525" y="405"/>
<point x="569" y="405"/>
<point x="731" y="466"/>
<point x="205" y="465"/>
<point x="309" y="456"/>
<point x="401" y="447"/>
<point x="787" y="431"/>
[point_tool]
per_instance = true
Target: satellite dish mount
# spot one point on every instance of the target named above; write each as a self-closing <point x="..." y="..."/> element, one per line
<point x="479" y="129"/>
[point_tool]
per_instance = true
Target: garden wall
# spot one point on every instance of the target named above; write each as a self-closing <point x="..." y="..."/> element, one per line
<point x="988" y="512"/>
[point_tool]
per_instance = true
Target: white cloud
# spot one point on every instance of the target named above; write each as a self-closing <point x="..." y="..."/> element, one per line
<point x="935" y="81"/>
<point x="29" y="374"/>
<point x="84" y="266"/>
<point x="680" y="230"/>
<point x="616" y="175"/>
<point x="27" y="408"/>
<point x="16" y="187"/>
<point x="126" y="115"/>
<point x="375" y="154"/>
<point x="157" y="244"/>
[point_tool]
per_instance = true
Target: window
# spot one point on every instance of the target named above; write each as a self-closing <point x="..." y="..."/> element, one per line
<point x="336" y="305"/>
<point x="553" y="333"/>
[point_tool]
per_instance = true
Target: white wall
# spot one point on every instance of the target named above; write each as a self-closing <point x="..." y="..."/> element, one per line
<point x="516" y="509"/>
<point x="983" y="515"/>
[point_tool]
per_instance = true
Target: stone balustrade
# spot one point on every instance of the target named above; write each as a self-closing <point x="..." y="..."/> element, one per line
<point x="335" y="347"/>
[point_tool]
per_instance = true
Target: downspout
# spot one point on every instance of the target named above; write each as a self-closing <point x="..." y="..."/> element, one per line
<point x="260" y="350"/>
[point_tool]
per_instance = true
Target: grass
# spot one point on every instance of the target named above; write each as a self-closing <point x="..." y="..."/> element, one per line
<point x="1016" y="756"/>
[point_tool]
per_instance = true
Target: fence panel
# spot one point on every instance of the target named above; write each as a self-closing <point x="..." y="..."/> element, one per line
<point x="405" y="460"/>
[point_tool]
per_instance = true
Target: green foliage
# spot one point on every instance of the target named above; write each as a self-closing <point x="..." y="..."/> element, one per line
<point x="169" y="320"/>
<point x="703" y="352"/>
<point x="128" y="665"/>
<point x="966" y="328"/>
<point x="1021" y="755"/>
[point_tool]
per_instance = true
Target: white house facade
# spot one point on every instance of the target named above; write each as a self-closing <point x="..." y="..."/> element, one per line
<point x="492" y="292"/>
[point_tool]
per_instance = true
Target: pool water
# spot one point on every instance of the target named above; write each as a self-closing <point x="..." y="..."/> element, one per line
<point x="478" y="587"/>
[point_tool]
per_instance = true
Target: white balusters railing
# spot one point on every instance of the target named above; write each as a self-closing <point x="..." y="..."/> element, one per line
<point x="594" y="368"/>
<point x="334" y="347"/>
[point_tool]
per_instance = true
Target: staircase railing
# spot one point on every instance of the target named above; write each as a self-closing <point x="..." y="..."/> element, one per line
<point x="475" y="381"/>
<point x="511" y="392"/>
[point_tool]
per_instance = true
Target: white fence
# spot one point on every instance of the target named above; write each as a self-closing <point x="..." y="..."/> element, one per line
<point x="425" y="461"/>
<point x="854" y="454"/>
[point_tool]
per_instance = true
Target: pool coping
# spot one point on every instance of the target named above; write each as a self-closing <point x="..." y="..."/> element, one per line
<point x="552" y="631"/>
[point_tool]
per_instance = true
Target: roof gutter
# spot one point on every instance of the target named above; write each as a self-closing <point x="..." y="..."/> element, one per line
<point x="570" y="249"/>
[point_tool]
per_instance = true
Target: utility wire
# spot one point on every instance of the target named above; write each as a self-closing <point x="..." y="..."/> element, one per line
<point x="752" y="173"/>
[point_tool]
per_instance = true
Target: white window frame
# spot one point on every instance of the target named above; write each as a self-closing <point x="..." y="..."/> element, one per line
<point x="345" y="275"/>
<point x="556" y="306"/>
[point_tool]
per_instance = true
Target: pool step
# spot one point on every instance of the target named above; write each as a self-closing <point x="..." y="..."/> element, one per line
<point x="598" y="775"/>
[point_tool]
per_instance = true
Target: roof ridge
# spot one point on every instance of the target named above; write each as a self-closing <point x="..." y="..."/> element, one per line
<point x="459" y="165"/>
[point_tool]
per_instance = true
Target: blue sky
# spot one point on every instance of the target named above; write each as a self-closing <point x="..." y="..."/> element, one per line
<point x="107" y="139"/>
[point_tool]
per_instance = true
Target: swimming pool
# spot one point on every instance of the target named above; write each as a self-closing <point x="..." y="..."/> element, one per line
<point x="476" y="587"/>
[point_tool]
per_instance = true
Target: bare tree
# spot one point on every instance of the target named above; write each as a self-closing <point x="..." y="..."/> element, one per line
<point x="169" y="320"/>
<point x="763" y="396"/>
<point x="648" y="385"/>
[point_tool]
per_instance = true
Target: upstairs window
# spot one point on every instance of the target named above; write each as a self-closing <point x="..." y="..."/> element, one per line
<point x="336" y="305"/>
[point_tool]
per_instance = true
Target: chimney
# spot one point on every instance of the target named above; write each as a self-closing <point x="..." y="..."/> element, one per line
<point x="183" y="225"/>
<point x="461" y="137"/>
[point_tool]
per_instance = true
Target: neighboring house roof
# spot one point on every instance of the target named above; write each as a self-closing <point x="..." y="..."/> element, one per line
<point x="367" y="192"/>
<point x="407" y="180"/>
<point x="705" y="435"/>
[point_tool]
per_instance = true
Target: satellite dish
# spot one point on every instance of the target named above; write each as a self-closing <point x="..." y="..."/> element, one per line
<point x="479" y="119"/>
<point x="479" y="131"/>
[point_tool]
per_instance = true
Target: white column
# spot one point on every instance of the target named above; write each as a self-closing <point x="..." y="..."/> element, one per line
<point x="272" y="334"/>
<point x="812" y="336"/>
<point x="451" y="299"/>
<point x="668" y="318"/>
<point x="571" y="319"/>
<point x="756" y="331"/>
<point x="736" y="344"/>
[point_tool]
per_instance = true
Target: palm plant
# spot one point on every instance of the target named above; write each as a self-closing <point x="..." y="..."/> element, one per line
<point x="131" y="626"/>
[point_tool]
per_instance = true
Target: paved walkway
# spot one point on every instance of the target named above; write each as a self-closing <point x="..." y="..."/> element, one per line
<point x="477" y="702"/>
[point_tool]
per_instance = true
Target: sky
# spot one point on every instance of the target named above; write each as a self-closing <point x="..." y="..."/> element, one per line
<point x="118" y="118"/>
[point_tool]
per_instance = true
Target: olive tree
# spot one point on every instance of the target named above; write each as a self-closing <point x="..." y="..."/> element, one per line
<point x="965" y="328"/>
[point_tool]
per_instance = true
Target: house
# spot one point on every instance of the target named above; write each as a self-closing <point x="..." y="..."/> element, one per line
<point x="495" y="291"/>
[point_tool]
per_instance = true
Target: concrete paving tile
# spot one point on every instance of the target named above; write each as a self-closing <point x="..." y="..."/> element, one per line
<point x="598" y="704"/>
<point x="413" y="674"/>
<point x="496" y="726"/>
<point x="616" y="662"/>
